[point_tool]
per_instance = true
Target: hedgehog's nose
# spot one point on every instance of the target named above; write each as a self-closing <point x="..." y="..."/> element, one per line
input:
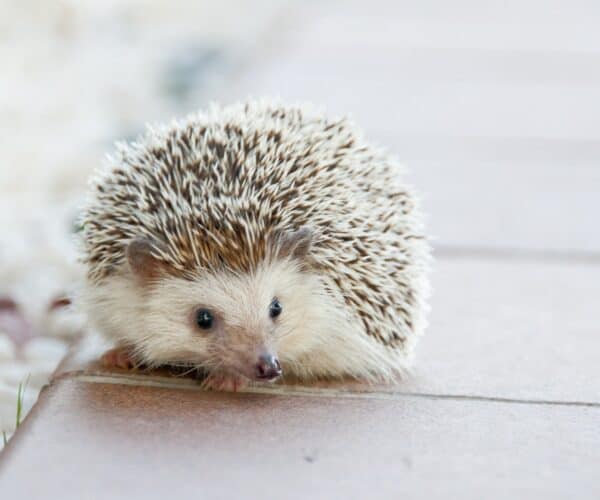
<point x="267" y="368"/>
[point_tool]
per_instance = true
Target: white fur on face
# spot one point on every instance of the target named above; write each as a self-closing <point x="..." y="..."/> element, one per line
<point x="242" y="329"/>
<point x="313" y="336"/>
<point x="160" y="317"/>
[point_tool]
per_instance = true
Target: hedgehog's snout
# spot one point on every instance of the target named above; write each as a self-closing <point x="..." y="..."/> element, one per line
<point x="267" y="367"/>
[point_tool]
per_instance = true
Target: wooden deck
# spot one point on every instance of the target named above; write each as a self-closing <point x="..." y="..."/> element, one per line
<point x="495" y="109"/>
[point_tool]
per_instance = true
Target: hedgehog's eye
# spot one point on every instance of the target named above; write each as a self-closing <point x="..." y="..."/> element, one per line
<point x="204" y="319"/>
<point x="275" y="308"/>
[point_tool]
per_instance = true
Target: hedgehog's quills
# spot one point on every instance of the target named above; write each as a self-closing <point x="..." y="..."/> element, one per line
<point x="254" y="240"/>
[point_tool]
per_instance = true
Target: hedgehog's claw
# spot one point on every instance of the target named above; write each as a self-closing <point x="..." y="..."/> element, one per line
<point x="118" y="358"/>
<point x="221" y="381"/>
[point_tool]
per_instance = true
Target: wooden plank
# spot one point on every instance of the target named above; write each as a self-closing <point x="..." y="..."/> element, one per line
<point x="96" y="440"/>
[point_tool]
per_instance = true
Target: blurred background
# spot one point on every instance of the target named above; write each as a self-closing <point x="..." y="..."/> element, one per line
<point x="494" y="106"/>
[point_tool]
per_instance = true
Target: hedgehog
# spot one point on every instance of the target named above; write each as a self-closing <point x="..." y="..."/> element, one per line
<point x="253" y="241"/>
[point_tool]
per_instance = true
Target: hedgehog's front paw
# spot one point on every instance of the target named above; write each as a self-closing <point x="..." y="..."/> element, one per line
<point x="221" y="381"/>
<point x="118" y="358"/>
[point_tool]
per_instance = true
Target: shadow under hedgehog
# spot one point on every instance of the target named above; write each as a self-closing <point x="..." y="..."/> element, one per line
<point x="252" y="241"/>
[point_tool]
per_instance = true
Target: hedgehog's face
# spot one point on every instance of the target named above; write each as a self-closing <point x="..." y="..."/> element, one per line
<point x="249" y="324"/>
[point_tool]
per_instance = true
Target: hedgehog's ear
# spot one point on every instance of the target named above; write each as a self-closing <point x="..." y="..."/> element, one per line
<point x="294" y="243"/>
<point x="141" y="260"/>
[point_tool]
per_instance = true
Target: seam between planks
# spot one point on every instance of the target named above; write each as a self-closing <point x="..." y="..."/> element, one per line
<point x="516" y="254"/>
<point x="300" y="391"/>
